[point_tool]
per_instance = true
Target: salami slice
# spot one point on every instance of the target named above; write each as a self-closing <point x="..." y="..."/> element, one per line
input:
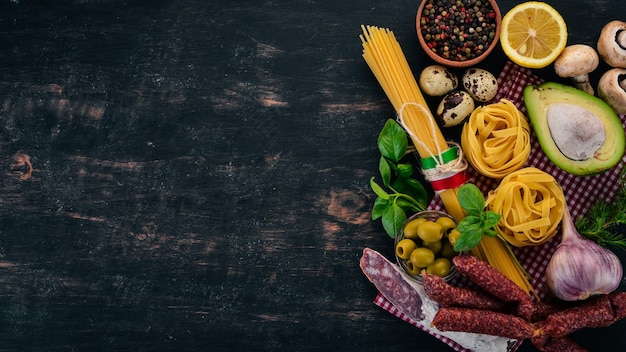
<point x="392" y="283"/>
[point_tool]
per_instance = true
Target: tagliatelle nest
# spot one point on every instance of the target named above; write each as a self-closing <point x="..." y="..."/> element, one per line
<point x="531" y="204"/>
<point x="496" y="139"/>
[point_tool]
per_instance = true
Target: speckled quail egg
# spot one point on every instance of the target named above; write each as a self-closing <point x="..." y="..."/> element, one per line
<point x="480" y="84"/>
<point x="454" y="108"/>
<point x="436" y="80"/>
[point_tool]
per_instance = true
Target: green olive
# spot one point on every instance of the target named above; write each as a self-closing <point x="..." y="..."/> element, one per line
<point x="413" y="269"/>
<point x="433" y="246"/>
<point x="430" y="231"/>
<point x="440" y="267"/>
<point x="404" y="248"/>
<point x="422" y="257"/>
<point x="447" y="251"/>
<point x="446" y="223"/>
<point x="454" y="236"/>
<point x="410" y="229"/>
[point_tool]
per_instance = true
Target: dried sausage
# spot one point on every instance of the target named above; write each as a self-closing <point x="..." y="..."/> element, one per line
<point x="495" y="283"/>
<point x="594" y="313"/>
<point x="618" y="303"/>
<point x="392" y="284"/>
<point x="543" y="309"/>
<point x="447" y="295"/>
<point x="556" y="344"/>
<point x="482" y="322"/>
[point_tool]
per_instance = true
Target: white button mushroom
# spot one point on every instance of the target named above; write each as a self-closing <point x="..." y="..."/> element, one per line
<point x="612" y="89"/>
<point x="454" y="108"/>
<point x="436" y="80"/>
<point x="612" y="43"/>
<point x="576" y="62"/>
<point x="480" y="84"/>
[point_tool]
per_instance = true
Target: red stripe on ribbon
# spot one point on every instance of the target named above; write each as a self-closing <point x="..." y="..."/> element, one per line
<point x="454" y="181"/>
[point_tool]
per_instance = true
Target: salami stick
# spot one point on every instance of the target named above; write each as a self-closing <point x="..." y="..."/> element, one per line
<point x="618" y="303"/>
<point x="391" y="283"/>
<point x="595" y="313"/>
<point x="556" y="344"/>
<point x="543" y="309"/>
<point x="447" y="295"/>
<point x="482" y="322"/>
<point x="494" y="282"/>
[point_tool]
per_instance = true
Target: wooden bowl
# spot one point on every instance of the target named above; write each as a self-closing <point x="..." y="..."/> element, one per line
<point x="449" y="30"/>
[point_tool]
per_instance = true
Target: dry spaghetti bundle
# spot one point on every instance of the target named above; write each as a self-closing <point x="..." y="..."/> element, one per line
<point x="442" y="163"/>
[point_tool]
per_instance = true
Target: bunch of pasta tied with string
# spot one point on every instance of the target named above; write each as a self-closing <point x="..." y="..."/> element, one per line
<point x="442" y="162"/>
<point x="496" y="139"/>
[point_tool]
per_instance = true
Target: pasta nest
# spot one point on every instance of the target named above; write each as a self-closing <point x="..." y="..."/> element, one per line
<point x="496" y="139"/>
<point x="531" y="204"/>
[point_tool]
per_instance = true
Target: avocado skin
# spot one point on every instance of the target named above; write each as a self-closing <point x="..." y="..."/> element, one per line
<point x="537" y="99"/>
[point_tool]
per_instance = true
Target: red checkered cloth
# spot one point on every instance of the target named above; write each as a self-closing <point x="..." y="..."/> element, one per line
<point x="580" y="192"/>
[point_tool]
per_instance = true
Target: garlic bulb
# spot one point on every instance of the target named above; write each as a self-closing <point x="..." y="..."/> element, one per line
<point x="580" y="268"/>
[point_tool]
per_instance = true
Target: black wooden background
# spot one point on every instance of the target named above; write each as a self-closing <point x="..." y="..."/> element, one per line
<point x="193" y="175"/>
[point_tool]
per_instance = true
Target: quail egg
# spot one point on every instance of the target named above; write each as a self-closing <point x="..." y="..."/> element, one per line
<point x="480" y="84"/>
<point x="454" y="108"/>
<point x="437" y="80"/>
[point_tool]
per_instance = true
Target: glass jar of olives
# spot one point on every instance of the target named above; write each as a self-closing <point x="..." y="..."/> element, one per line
<point x="425" y="242"/>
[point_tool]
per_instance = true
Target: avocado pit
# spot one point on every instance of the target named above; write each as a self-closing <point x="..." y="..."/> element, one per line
<point x="576" y="131"/>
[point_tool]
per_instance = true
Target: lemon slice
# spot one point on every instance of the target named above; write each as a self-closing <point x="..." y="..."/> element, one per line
<point x="533" y="34"/>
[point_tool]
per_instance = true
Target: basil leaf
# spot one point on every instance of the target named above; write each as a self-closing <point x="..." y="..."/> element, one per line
<point x="392" y="141"/>
<point x="471" y="234"/>
<point x="490" y="219"/>
<point x="413" y="188"/>
<point x="471" y="223"/>
<point x="393" y="219"/>
<point x="471" y="199"/>
<point x="378" y="190"/>
<point x="491" y="232"/>
<point x="379" y="208"/>
<point x="385" y="171"/>
<point x="404" y="204"/>
<point x="404" y="170"/>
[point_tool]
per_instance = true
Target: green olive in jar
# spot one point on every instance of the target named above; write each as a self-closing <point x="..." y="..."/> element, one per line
<point x="454" y="236"/>
<point x="430" y="231"/>
<point x="433" y="246"/>
<point x="422" y="257"/>
<point x="404" y="248"/>
<point x="446" y="223"/>
<point x="447" y="251"/>
<point x="440" y="267"/>
<point x="413" y="269"/>
<point x="410" y="230"/>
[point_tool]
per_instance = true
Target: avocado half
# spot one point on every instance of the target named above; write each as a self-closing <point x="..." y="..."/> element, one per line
<point x="579" y="133"/>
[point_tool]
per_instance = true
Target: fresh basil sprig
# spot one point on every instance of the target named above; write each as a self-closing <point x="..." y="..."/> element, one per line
<point x="477" y="222"/>
<point x="400" y="192"/>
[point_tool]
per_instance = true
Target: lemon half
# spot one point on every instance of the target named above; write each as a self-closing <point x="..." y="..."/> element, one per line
<point x="533" y="34"/>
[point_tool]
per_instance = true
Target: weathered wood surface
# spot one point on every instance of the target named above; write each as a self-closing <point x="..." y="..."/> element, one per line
<point x="193" y="175"/>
